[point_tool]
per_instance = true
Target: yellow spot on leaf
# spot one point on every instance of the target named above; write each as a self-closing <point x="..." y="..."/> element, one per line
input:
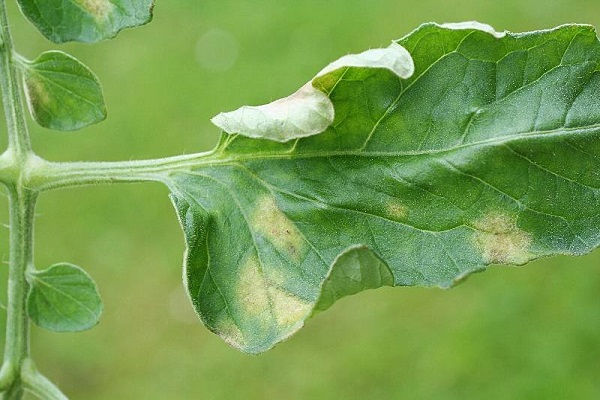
<point x="99" y="9"/>
<point x="37" y="93"/>
<point x="501" y="241"/>
<point x="269" y="221"/>
<point x="262" y="298"/>
<point x="396" y="210"/>
<point x="251" y="291"/>
<point x="230" y="333"/>
<point x="288" y="309"/>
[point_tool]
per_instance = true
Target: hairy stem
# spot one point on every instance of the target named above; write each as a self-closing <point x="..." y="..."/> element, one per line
<point x="21" y="209"/>
<point x="44" y="175"/>
<point x="22" y="204"/>
<point x="11" y="92"/>
<point x="38" y="384"/>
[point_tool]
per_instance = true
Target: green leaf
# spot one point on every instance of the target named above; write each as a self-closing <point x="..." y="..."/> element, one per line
<point x="355" y="270"/>
<point x="85" y="20"/>
<point x="487" y="153"/>
<point x="62" y="93"/>
<point x="63" y="298"/>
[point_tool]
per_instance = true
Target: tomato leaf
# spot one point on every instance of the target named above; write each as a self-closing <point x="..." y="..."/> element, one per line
<point x="63" y="298"/>
<point x="85" y="20"/>
<point x="488" y="152"/>
<point x="62" y="93"/>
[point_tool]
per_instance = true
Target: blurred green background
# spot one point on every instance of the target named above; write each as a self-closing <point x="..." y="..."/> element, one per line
<point x="510" y="333"/>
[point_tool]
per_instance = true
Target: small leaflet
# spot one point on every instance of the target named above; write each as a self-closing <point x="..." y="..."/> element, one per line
<point x="63" y="298"/>
<point x="85" y="21"/>
<point x="62" y="93"/>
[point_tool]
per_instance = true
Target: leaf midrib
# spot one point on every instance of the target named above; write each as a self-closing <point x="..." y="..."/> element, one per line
<point x="500" y="140"/>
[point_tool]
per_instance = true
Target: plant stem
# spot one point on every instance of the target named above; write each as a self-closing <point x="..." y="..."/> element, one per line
<point x="43" y="175"/>
<point x="38" y="384"/>
<point x="11" y="92"/>
<point x="16" y="351"/>
<point x="21" y="209"/>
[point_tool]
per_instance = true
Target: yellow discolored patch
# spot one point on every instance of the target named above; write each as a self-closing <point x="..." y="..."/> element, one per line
<point x="37" y="94"/>
<point x="269" y="221"/>
<point x="396" y="210"/>
<point x="501" y="241"/>
<point x="262" y="298"/>
<point x="251" y="291"/>
<point x="230" y="333"/>
<point x="287" y="308"/>
<point x="99" y="9"/>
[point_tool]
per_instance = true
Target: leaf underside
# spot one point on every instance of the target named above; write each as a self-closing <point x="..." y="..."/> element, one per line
<point x="63" y="298"/>
<point x="85" y="20"/>
<point x="488" y="154"/>
<point x="62" y="93"/>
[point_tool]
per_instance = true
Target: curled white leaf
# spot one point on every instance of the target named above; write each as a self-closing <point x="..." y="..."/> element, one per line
<point x="308" y="111"/>
<point x="304" y="113"/>
<point x="474" y="25"/>
<point x="394" y="57"/>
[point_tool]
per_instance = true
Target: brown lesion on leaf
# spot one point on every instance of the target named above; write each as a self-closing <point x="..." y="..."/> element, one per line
<point x="270" y="222"/>
<point x="99" y="9"/>
<point x="500" y="240"/>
